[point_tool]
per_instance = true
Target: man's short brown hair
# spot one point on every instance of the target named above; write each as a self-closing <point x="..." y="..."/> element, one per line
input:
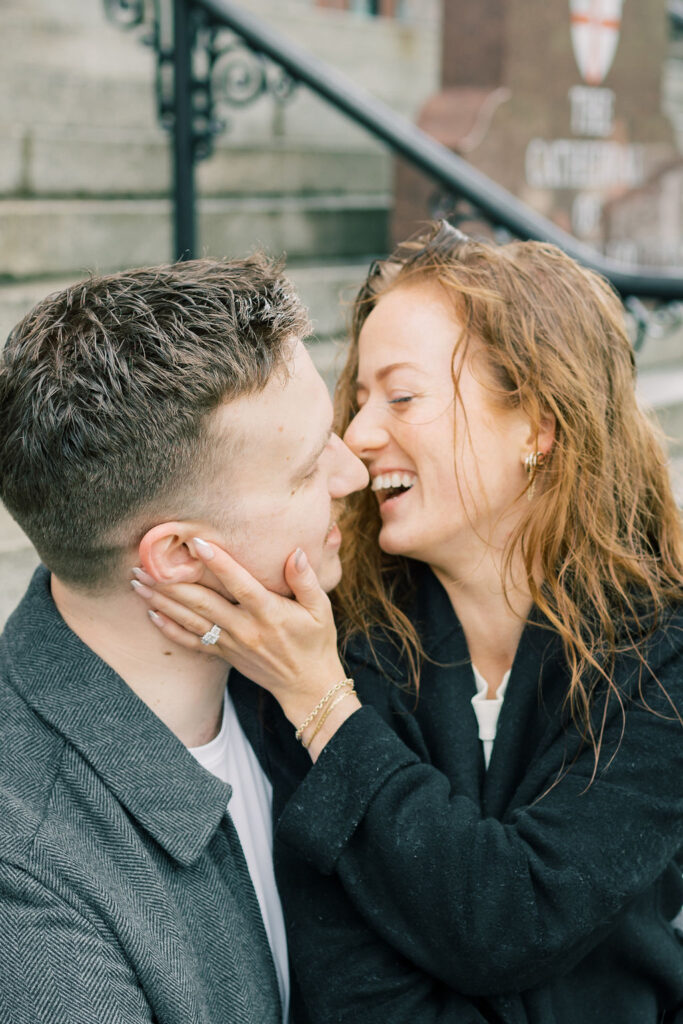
<point x="105" y="389"/>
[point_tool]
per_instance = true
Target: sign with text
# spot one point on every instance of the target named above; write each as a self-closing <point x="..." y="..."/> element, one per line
<point x="565" y="110"/>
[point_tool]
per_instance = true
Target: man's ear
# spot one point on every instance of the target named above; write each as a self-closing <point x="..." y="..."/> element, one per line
<point x="167" y="553"/>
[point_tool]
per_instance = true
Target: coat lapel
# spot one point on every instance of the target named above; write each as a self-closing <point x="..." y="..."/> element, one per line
<point x="533" y="697"/>
<point x="446" y="690"/>
<point x="143" y="764"/>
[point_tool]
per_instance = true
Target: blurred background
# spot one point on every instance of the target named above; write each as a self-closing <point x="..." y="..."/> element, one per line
<point x="573" y="106"/>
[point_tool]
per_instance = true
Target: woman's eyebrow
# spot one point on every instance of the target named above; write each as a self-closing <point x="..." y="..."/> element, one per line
<point x="384" y="371"/>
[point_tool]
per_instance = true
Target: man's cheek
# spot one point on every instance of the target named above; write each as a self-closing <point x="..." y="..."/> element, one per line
<point x="266" y="561"/>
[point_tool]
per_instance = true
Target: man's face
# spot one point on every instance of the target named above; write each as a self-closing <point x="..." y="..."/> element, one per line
<point x="282" y="477"/>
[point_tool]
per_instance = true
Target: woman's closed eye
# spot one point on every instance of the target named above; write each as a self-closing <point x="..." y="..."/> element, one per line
<point x="402" y="400"/>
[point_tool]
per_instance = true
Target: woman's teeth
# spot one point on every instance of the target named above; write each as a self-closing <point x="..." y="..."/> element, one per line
<point x="388" y="481"/>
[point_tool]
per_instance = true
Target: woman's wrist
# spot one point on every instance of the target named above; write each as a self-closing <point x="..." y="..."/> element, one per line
<point x="333" y="722"/>
<point x="322" y="718"/>
<point x="315" y="719"/>
<point x="299" y="700"/>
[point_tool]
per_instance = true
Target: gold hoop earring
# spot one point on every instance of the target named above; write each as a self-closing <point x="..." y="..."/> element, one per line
<point x="531" y="464"/>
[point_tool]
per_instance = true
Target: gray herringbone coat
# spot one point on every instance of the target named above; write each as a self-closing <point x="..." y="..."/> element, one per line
<point x="124" y="893"/>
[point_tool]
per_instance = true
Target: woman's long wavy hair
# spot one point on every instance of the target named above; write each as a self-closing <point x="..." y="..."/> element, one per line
<point x="603" y="528"/>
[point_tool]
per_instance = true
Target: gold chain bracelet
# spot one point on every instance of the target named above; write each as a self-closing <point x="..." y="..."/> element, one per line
<point x="325" y="715"/>
<point x="320" y="705"/>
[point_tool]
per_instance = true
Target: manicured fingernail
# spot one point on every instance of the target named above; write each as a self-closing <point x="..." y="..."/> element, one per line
<point x="141" y="589"/>
<point x="156" y="619"/>
<point x="143" y="576"/>
<point x="300" y="560"/>
<point x="204" y="549"/>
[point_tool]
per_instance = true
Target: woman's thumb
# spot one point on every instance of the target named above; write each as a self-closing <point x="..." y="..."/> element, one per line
<point x="303" y="581"/>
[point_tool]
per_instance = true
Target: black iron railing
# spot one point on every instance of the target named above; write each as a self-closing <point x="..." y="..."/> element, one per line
<point x="194" y="61"/>
<point x="675" y="9"/>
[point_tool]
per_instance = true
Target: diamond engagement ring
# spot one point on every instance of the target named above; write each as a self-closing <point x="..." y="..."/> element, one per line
<point x="212" y="636"/>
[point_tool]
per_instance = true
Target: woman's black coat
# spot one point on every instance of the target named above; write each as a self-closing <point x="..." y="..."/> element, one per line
<point x="419" y="887"/>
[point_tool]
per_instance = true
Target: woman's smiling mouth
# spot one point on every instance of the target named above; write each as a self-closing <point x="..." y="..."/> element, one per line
<point x="391" y="485"/>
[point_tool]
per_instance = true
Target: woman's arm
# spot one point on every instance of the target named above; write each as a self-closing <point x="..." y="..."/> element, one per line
<point x="347" y="974"/>
<point x="484" y="905"/>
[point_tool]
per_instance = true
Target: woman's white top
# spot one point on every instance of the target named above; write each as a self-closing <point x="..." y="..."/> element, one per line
<point x="487" y="711"/>
<point x="231" y="757"/>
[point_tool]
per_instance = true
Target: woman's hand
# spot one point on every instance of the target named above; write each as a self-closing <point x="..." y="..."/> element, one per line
<point x="287" y="646"/>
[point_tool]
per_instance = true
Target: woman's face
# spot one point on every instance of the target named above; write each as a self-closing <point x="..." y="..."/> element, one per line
<point x="447" y="472"/>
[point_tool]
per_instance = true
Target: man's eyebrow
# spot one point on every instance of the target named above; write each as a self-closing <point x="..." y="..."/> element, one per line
<point x="386" y="370"/>
<point x="310" y="462"/>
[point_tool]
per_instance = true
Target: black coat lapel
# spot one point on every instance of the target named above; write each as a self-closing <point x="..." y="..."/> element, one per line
<point x="534" y="695"/>
<point x="446" y="690"/>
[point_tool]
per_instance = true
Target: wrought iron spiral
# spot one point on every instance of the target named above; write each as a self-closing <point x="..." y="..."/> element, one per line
<point x="125" y="13"/>
<point x="238" y="75"/>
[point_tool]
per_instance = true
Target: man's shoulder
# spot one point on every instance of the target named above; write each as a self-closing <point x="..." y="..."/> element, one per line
<point x="30" y="755"/>
<point x="31" y="749"/>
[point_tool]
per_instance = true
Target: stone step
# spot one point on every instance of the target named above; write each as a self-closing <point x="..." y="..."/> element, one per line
<point x="672" y="95"/>
<point x="677" y="478"/>
<point x="68" y="99"/>
<point x="18" y="559"/>
<point x="73" y="74"/>
<point x="16" y="569"/>
<point x="662" y="347"/>
<point x="17" y="299"/>
<point x="12" y="538"/>
<point x="59" y="236"/>
<point x="66" y="64"/>
<point x="327" y="290"/>
<point x="90" y="162"/>
<point x="660" y="390"/>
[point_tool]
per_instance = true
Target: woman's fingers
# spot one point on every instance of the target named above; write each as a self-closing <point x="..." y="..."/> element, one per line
<point x="287" y="646"/>
<point x="191" y="614"/>
<point x="180" y="622"/>
<point x="238" y="582"/>
<point x="304" y="584"/>
<point x="179" y="635"/>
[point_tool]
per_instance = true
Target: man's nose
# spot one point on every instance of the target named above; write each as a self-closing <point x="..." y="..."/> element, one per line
<point x="365" y="434"/>
<point x="349" y="472"/>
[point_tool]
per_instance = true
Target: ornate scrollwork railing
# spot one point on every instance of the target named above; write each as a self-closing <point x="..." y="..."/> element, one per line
<point x="213" y="56"/>
<point x="225" y="71"/>
<point x="126" y="13"/>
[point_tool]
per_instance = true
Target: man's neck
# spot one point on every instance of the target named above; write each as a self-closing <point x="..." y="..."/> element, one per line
<point x="183" y="688"/>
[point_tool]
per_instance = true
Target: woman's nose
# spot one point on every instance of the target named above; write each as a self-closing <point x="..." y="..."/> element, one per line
<point x="365" y="434"/>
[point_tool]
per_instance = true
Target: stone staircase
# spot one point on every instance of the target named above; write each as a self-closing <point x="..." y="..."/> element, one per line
<point x="84" y="167"/>
<point x="660" y="390"/>
<point x="84" y="176"/>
